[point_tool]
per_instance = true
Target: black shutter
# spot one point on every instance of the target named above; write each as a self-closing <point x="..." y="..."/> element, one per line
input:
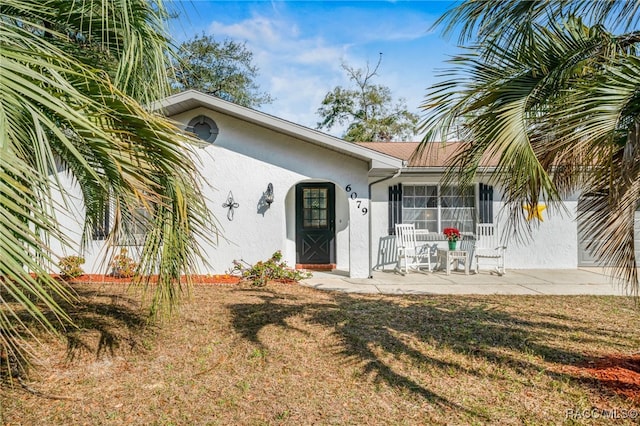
<point x="486" y="203"/>
<point x="101" y="227"/>
<point x="395" y="207"/>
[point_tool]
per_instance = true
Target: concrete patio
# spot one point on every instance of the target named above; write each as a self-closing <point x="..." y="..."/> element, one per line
<point x="582" y="281"/>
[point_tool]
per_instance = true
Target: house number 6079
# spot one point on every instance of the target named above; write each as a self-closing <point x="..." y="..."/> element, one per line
<point x="353" y="195"/>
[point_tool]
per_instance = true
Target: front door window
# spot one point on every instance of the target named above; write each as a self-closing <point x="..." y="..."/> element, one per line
<point x="315" y="205"/>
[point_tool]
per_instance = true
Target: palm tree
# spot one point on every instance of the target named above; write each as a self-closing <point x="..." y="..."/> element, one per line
<point x="548" y="89"/>
<point x="73" y="77"/>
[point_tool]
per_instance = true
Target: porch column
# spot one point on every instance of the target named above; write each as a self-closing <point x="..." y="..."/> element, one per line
<point x="359" y="211"/>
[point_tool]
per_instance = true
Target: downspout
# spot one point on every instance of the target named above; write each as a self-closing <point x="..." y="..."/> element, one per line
<point x="398" y="172"/>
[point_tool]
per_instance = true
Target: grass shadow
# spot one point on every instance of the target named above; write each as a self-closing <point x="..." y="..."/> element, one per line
<point x="105" y="320"/>
<point x="270" y="309"/>
<point x="370" y="326"/>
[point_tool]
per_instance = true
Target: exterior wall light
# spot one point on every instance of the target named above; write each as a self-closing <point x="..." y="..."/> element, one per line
<point x="268" y="195"/>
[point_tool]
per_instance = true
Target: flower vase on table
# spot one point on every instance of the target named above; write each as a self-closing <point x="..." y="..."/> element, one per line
<point x="453" y="235"/>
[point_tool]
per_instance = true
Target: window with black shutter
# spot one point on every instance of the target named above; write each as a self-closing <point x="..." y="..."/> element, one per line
<point x="135" y="224"/>
<point x="434" y="207"/>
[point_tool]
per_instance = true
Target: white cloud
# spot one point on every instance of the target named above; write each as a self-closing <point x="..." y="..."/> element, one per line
<point x="280" y="39"/>
<point x="255" y="30"/>
<point x="320" y="54"/>
<point x="299" y="56"/>
<point x="296" y="70"/>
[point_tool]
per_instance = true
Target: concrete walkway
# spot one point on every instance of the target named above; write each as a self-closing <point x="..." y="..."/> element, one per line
<point x="523" y="281"/>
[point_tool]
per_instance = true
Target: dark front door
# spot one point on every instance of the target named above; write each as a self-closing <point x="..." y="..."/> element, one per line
<point x="315" y="223"/>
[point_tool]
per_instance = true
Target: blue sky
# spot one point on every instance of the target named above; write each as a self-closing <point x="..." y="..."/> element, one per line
<point x="299" y="46"/>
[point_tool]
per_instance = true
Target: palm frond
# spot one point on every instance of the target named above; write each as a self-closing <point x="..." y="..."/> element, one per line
<point x="556" y="101"/>
<point x="64" y="111"/>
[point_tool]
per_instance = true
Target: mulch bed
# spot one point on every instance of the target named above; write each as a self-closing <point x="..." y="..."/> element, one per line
<point x="196" y="279"/>
<point x="617" y="372"/>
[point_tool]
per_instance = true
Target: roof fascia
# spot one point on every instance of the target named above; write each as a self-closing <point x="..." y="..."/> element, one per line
<point x="440" y="170"/>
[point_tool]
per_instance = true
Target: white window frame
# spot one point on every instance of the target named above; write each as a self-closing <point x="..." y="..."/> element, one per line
<point x="439" y="208"/>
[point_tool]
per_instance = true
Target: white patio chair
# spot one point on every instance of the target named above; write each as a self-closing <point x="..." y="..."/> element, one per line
<point x="489" y="247"/>
<point x="410" y="255"/>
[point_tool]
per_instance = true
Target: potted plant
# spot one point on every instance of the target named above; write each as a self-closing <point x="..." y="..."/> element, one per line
<point x="453" y="235"/>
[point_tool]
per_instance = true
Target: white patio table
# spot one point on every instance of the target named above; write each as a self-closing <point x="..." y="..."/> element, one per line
<point x="447" y="257"/>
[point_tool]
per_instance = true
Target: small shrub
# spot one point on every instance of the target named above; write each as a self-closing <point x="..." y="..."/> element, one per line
<point x="70" y="266"/>
<point x="273" y="269"/>
<point x="122" y="265"/>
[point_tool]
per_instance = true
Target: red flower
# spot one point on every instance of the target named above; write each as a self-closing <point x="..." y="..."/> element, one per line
<point x="452" y="234"/>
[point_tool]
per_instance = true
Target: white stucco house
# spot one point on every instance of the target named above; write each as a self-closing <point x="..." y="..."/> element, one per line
<point x="275" y="185"/>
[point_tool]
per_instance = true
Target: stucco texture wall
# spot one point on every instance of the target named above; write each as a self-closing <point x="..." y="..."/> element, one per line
<point x="242" y="161"/>
<point x="551" y="244"/>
